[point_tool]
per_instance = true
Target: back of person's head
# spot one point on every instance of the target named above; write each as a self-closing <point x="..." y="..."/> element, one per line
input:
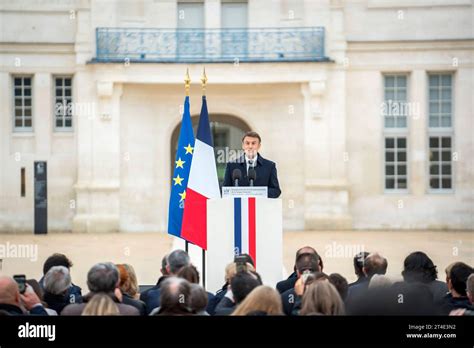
<point x="418" y="267"/>
<point x="458" y="277"/>
<point x="56" y="260"/>
<point x="309" y="250"/>
<point x="199" y="298"/>
<point x="470" y="288"/>
<point x="177" y="259"/>
<point x="131" y="287"/>
<point x="101" y="304"/>
<point x="164" y="263"/>
<point x="447" y="270"/>
<point x="231" y="270"/>
<point x="175" y="297"/>
<point x="307" y="262"/>
<point x="359" y="259"/>
<point x="375" y="264"/>
<point x="103" y="277"/>
<point x="57" y="280"/>
<point x="263" y="299"/>
<point x="340" y="283"/>
<point x="242" y="284"/>
<point x="128" y="283"/>
<point x="380" y="281"/>
<point x="248" y="259"/>
<point x="9" y="292"/>
<point x="321" y="298"/>
<point x="190" y="273"/>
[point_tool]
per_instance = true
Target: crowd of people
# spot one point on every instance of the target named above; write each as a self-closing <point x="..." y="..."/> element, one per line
<point x="113" y="289"/>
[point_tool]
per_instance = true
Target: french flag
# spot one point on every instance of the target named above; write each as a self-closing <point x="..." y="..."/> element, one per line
<point x="245" y="238"/>
<point x="202" y="184"/>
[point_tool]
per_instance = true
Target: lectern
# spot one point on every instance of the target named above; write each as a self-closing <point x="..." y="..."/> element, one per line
<point x="244" y="223"/>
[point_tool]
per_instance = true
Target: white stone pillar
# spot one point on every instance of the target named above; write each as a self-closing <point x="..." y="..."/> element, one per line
<point x="417" y="129"/>
<point x="98" y="185"/>
<point x="326" y="188"/>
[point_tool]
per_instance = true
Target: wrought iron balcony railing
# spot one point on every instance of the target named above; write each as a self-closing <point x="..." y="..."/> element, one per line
<point x="210" y="45"/>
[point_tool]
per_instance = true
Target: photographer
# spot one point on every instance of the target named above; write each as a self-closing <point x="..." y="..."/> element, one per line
<point x="14" y="303"/>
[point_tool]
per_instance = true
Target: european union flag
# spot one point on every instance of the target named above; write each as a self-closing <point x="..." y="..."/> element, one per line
<point x="182" y="165"/>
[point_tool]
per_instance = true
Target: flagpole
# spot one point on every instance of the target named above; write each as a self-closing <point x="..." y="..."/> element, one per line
<point x="203" y="84"/>
<point x="187" y="84"/>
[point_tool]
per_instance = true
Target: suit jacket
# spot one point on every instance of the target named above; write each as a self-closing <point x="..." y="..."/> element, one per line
<point x="287" y="284"/>
<point x="266" y="175"/>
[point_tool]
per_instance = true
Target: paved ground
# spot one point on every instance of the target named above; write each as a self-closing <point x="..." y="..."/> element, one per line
<point x="145" y="250"/>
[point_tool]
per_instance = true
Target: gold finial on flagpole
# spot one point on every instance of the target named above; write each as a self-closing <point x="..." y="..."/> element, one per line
<point x="187" y="82"/>
<point x="204" y="81"/>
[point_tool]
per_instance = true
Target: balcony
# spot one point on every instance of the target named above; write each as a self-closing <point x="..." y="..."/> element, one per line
<point x="210" y="45"/>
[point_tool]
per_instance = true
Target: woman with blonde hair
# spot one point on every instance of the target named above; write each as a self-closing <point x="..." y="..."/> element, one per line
<point x="128" y="286"/>
<point x="101" y="304"/>
<point x="263" y="300"/>
<point x="322" y="298"/>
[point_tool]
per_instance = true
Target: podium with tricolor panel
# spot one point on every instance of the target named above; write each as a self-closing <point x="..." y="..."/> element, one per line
<point x="250" y="225"/>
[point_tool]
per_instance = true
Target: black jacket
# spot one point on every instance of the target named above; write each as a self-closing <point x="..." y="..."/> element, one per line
<point x="287" y="284"/>
<point x="15" y="310"/>
<point x="56" y="302"/>
<point x="451" y="303"/>
<point x="225" y="307"/>
<point x="266" y="175"/>
<point x="129" y="300"/>
<point x="291" y="302"/>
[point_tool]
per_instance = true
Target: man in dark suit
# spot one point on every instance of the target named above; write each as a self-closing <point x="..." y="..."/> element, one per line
<point x="266" y="173"/>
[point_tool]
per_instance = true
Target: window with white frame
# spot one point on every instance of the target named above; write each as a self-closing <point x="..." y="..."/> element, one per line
<point x="440" y="163"/>
<point x="440" y="100"/>
<point x="395" y="101"/>
<point x="396" y="163"/>
<point x="395" y="132"/>
<point x="63" y="102"/>
<point x="22" y="101"/>
<point x="440" y="139"/>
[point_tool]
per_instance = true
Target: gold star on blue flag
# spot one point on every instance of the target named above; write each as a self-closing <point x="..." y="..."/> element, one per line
<point x="184" y="155"/>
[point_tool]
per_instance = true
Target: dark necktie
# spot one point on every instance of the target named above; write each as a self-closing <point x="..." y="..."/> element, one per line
<point x="250" y="166"/>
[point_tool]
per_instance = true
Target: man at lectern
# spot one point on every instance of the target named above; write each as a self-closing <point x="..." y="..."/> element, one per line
<point x="251" y="169"/>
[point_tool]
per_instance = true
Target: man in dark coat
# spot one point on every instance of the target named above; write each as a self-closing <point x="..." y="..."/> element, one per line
<point x="266" y="173"/>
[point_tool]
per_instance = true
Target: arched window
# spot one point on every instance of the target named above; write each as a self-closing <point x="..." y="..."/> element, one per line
<point x="227" y="132"/>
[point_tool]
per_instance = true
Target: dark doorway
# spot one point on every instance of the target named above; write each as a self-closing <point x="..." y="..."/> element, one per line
<point x="41" y="198"/>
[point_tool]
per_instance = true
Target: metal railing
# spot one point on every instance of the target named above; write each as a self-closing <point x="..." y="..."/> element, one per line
<point x="210" y="45"/>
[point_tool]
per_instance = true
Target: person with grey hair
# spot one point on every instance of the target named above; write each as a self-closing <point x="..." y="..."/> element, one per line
<point x="175" y="261"/>
<point x="175" y="297"/>
<point x="102" y="278"/>
<point x="57" y="282"/>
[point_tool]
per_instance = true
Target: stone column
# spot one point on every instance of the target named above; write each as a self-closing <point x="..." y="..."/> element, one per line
<point x="326" y="188"/>
<point x="98" y="184"/>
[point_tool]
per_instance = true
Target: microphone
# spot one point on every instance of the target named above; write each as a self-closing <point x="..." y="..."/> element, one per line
<point x="236" y="175"/>
<point x="252" y="175"/>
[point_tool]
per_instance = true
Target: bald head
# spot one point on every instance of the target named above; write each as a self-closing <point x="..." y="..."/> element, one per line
<point x="9" y="292"/>
<point x="375" y="264"/>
